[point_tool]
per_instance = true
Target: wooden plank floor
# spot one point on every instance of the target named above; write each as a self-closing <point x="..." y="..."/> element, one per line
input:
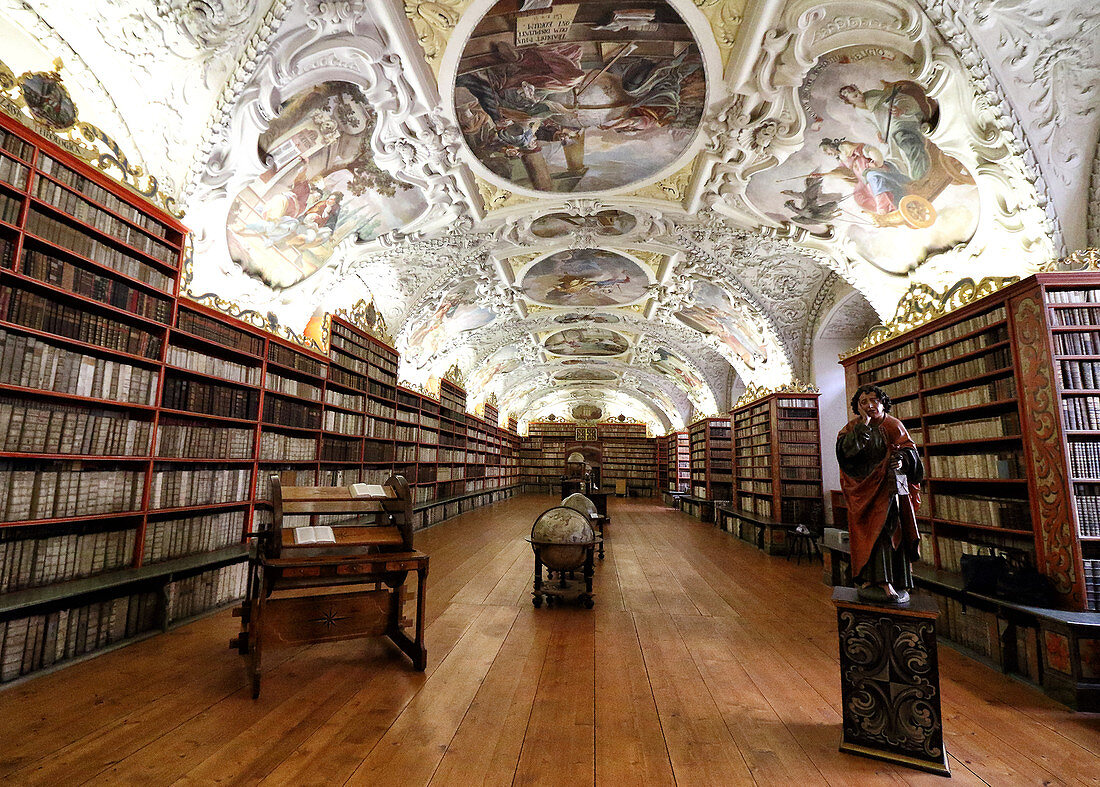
<point x="703" y="662"/>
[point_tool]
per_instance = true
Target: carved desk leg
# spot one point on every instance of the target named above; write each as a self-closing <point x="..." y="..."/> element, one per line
<point x="889" y="680"/>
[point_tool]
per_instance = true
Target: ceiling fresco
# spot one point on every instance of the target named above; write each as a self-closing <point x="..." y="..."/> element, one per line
<point x="639" y="206"/>
<point x="585" y="277"/>
<point x="321" y="187"/>
<point x="868" y="170"/>
<point x="578" y="97"/>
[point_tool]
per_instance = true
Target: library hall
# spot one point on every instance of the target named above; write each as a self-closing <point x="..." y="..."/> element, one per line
<point x="550" y="392"/>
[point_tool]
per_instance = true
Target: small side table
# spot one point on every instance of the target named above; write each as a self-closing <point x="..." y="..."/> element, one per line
<point x="890" y="681"/>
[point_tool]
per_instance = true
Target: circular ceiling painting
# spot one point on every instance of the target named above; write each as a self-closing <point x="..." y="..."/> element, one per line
<point x="586" y="341"/>
<point x="585" y="277"/>
<point x="579" y="97"/>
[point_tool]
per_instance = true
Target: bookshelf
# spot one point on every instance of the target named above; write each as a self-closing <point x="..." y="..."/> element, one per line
<point x="626" y="454"/>
<point x="1002" y="396"/>
<point x="777" y="458"/>
<point x="629" y="457"/>
<point x="141" y="429"/>
<point x="118" y="521"/>
<point x="711" y="452"/>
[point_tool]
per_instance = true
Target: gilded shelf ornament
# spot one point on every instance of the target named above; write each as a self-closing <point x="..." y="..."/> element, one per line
<point x="491" y="400"/>
<point x="755" y="392"/>
<point x="1081" y="260"/>
<point x="922" y="304"/>
<point x="40" y="101"/>
<point x="367" y="318"/>
<point x="455" y="375"/>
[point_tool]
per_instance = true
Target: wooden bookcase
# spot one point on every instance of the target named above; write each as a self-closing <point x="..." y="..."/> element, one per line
<point x="710" y="444"/>
<point x="141" y="429"/>
<point x="1002" y="396"/>
<point x="777" y="458"/>
<point x="629" y="457"/>
<point x="663" y="461"/>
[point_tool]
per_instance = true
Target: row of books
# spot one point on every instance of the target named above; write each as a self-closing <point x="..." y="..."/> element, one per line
<point x="1072" y="296"/>
<point x="991" y="362"/>
<point x="901" y="387"/>
<point x="340" y="399"/>
<point x="105" y="289"/>
<point x="1085" y="315"/>
<point x="960" y="329"/>
<point x="887" y="357"/>
<point x="75" y="240"/>
<point x="951" y="549"/>
<point x="907" y="409"/>
<point x="291" y="412"/>
<point x="288" y="387"/>
<point x="1087" y="497"/>
<point x="16" y="146"/>
<point x="7" y="249"/>
<point x="896" y="369"/>
<point x="200" y="396"/>
<point x="97" y="193"/>
<point x="345" y="423"/>
<point x="170" y="538"/>
<point x="204" y="363"/>
<point x="63" y="490"/>
<point x="284" y="356"/>
<point x="382" y="430"/>
<point x="969" y="626"/>
<point x="974" y="396"/>
<point x="801" y="436"/>
<point x="335" y="450"/>
<point x="218" y="332"/>
<point x="38" y="428"/>
<point x="1003" y="512"/>
<point x="800" y="473"/>
<point x="800" y="490"/>
<point x="1080" y="374"/>
<point x="347" y="379"/>
<point x="999" y="464"/>
<point x="9" y="210"/>
<point x="194" y="595"/>
<point x="1092" y="584"/>
<point x="971" y="344"/>
<point x="38" y="641"/>
<point x="757" y="487"/>
<point x="1084" y="459"/>
<point x="203" y="441"/>
<point x="281" y="447"/>
<point x="34" y="562"/>
<point x="39" y="313"/>
<point x="183" y="487"/>
<point x="79" y="208"/>
<point x="1077" y="342"/>
<point x="353" y="343"/>
<point x="994" y="426"/>
<point x="414" y="453"/>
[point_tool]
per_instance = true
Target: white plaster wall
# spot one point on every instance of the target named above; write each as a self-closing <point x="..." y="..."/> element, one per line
<point x="832" y="409"/>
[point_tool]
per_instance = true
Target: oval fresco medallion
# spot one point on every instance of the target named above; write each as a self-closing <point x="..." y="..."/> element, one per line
<point x="586" y="341"/>
<point x="579" y="97"/>
<point x="586" y="412"/>
<point x="868" y="170"/>
<point x="321" y="186"/>
<point x="611" y="223"/>
<point x="592" y="375"/>
<point x="585" y="277"/>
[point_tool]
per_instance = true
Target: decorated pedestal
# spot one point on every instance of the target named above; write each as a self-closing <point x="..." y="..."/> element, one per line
<point x="889" y="680"/>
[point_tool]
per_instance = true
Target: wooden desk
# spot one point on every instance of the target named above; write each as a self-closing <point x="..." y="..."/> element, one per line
<point x="368" y="564"/>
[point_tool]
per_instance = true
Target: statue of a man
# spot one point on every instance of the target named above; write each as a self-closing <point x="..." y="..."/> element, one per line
<point x="880" y="469"/>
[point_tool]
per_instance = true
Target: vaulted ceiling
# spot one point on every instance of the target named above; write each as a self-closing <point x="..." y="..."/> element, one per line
<point x="641" y="205"/>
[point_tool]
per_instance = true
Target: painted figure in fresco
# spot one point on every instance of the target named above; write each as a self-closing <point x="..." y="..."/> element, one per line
<point x="879" y="185"/>
<point x="880" y="470"/>
<point x="900" y="111"/>
<point x="569" y="287"/>
<point x="655" y="89"/>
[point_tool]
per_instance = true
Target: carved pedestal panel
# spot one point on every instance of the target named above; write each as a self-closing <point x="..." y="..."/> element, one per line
<point x="889" y="679"/>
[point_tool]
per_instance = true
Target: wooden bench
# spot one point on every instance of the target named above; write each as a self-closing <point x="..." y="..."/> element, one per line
<point x="358" y="580"/>
<point x="770" y="535"/>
